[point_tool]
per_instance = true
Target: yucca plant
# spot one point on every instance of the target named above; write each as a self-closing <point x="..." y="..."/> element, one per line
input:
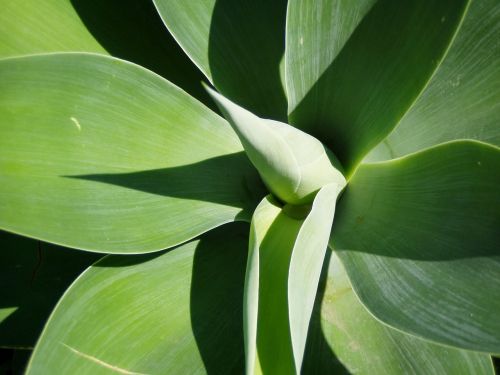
<point x="358" y="138"/>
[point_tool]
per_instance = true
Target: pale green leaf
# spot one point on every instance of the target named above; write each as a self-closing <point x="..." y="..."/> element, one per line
<point x="103" y="155"/>
<point x="366" y="346"/>
<point x="375" y="77"/>
<point x="30" y="26"/>
<point x="238" y="45"/>
<point x="284" y="266"/>
<point x="293" y="164"/>
<point x="462" y="99"/>
<point x="103" y="26"/>
<point x="419" y="239"/>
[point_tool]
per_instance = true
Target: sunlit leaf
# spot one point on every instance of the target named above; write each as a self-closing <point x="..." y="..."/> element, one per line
<point x="284" y="266"/>
<point x="103" y="155"/>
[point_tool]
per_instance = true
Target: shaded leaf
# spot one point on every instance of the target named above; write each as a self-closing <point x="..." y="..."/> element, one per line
<point x="366" y="346"/>
<point x="33" y="275"/>
<point x="462" y="99"/>
<point x="174" y="312"/>
<point x="379" y="72"/>
<point x="103" y="26"/>
<point x="419" y="239"/>
<point x="238" y="45"/>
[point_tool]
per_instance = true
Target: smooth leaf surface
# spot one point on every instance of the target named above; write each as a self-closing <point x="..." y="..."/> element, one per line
<point x="33" y="275"/>
<point x="316" y="33"/>
<point x="102" y="26"/>
<point x="292" y="164"/>
<point x="30" y="26"/>
<point x="286" y="254"/>
<point x="366" y="346"/>
<point x="238" y="45"/>
<point x="421" y="232"/>
<point x="377" y="75"/>
<point x="168" y="313"/>
<point x="189" y="301"/>
<point x="103" y="155"/>
<point x="462" y="100"/>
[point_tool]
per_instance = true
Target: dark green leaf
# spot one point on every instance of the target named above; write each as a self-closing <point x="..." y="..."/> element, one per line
<point x="379" y="72"/>
<point x="419" y="239"/>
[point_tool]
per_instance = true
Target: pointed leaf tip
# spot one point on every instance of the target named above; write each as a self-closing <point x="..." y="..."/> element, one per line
<point x="293" y="164"/>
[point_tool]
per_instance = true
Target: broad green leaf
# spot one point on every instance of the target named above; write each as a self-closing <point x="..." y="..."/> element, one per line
<point x="462" y="99"/>
<point x="238" y="45"/>
<point x="286" y="254"/>
<point x="189" y="301"/>
<point x="366" y="346"/>
<point x="315" y="34"/>
<point x="419" y="239"/>
<point x="103" y="26"/>
<point x="31" y="26"/>
<point x="33" y="275"/>
<point x="178" y="312"/>
<point x="103" y="155"/>
<point x="293" y="164"/>
<point x="377" y="75"/>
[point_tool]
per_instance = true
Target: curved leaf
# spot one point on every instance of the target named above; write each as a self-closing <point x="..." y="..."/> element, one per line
<point x="284" y="266"/>
<point x="103" y="155"/>
<point x="292" y="164"/>
<point x="379" y="72"/>
<point x="462" y="99"/>
<point x="33" y="275"/>
<point x="103" y="26"/>
<point x="238" y="45"/>
<point x="30" y="26"/>
<point x="169" y="313"/>
<point x="366" y="346"/>
<point x="421" y="232"/>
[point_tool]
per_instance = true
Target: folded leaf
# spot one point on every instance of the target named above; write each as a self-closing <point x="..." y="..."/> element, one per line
<point x="462" y="100"/>
<point x="388" y="53"/>
<point x="419" y="239"/>
<point x="238" y="45"/>
<point x="33" y="275"/>
<point x="284" y="266"/>
<point x="103" y="155"/>
<point x="366" y="346"/>
<point x="293" y="164"/>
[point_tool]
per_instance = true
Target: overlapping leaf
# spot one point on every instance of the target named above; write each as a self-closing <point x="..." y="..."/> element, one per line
<point x="284" y="266"/>
<point x="238" y="45"/>
<point x="419" y="240"/>
<point x="33" y="275"/>
<point x="371" y="68"/>
<point x="462" y="100"/>
<point x="364" y="345"/>
<point x="103" y="155"/>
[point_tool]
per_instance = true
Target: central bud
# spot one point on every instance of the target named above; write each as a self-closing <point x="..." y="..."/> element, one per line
<point x="294" y="165"/>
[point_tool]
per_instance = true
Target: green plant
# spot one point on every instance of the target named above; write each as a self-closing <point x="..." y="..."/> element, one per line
<point x="397" y="106"/>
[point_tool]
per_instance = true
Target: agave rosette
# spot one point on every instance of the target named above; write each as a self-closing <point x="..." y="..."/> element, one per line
<point x="360" y="140"/>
